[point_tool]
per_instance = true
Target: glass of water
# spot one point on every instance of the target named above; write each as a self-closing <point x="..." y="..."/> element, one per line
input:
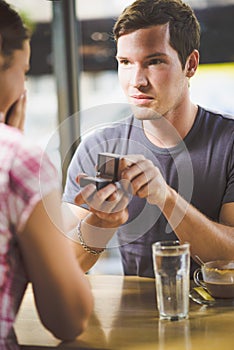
<point x="171" y="262"/>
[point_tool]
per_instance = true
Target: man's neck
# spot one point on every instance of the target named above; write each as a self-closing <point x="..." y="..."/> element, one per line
<point x="168" y="131"/>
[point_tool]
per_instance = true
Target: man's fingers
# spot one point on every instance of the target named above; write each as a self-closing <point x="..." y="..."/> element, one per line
<point x="80" y="176"/>
<point x="87" y="192"/>
<point x="128" y="161"/>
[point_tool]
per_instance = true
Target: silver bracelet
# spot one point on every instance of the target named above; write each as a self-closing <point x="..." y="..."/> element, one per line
<point x="84" y="245"/>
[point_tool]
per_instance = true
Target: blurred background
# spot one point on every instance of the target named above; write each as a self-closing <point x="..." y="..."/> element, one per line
<point x="73" y="69"/>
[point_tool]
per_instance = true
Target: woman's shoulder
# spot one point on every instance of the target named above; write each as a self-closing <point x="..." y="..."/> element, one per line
<point x="13" y="140"/>
<point x="19" y="152"/>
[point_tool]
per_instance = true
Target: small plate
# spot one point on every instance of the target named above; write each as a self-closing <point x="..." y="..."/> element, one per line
<point x="197" y="297"/>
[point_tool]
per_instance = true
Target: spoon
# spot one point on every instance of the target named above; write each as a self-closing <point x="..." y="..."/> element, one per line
<point x="199" y="260"/>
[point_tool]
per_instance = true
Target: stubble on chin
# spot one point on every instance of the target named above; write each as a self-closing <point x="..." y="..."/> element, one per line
<point x="144" y="113"/>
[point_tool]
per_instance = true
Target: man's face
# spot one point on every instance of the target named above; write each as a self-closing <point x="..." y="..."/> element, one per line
<point x="150" y="71"/>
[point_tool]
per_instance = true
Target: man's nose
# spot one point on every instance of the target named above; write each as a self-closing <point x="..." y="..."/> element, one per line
<point x="138" y="78"/>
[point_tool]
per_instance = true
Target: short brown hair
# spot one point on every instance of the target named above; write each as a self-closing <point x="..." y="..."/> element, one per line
<point x="183" y="25"/>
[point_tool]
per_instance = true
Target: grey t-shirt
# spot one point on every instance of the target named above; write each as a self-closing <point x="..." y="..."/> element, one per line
<point x="200" y="168"/>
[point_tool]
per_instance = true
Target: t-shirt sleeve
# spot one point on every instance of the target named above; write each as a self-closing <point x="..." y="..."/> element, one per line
<point x="229" y="193"/>
<point x="83" y="161"/>
<point x="112" y="138"/>
<point x="32" y="176"/>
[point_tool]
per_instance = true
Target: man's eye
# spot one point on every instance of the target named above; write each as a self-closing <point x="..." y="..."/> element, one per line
<point x="124" y="62"/>
<point x="155" y="61"/>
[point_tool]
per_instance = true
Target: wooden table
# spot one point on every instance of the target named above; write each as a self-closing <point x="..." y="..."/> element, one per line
<point x="125" y="318"/>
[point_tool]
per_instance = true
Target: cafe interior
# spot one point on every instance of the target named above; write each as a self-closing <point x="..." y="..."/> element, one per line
<point x="72" y="72"/>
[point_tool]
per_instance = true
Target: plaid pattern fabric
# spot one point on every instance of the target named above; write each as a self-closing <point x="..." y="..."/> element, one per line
<point x="26" y="175"/>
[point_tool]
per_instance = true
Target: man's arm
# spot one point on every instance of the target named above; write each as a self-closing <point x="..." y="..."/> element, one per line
<point x="76" y="213"/>
<point x="107" y="211"/>
<point x="208" y="239"/>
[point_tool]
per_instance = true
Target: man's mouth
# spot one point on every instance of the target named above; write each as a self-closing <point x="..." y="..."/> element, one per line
<point x="140" y="99"/>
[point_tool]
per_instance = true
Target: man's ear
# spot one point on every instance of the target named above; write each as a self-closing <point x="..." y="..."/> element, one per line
<point x="192" y="63"/>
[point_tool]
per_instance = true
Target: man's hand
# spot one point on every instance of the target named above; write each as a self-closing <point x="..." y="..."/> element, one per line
<point x="144" y="178"/>
<point x="109" y="204"/>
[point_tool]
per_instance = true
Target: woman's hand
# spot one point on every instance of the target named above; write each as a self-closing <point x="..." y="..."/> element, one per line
<point x="16" y="114"/>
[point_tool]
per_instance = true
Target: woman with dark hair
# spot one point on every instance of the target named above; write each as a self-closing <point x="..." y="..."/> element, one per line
<point x="27" y="234"/>
<point x="33" y="244"/>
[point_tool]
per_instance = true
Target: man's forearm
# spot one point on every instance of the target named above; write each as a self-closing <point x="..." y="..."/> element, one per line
<point x="95" y="238"/>
<point x="208" y="239"/>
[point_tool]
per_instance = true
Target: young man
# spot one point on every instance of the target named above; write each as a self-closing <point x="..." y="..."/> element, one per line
<point x="182" y="171"/>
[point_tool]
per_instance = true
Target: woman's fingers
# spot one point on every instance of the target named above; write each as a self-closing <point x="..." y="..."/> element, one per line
<point x="16" y="114"/>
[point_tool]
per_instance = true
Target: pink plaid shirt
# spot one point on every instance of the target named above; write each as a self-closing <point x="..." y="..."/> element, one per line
<point x="25" y="176"/>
